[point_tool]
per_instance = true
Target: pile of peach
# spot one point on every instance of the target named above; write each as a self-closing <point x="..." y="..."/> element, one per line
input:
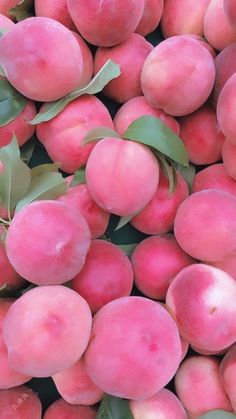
<point x="78" y="309"/>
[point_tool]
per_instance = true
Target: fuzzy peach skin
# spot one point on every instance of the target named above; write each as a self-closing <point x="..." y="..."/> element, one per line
<point x="201" y="299"/>
<point x="227" y="265"/>
<point x="20" y="403"/>
<point x="229" y="158"/>
<point x="226" y="109"/>
<point x="137" y="107"/>
<point x="198" y="386"/>
<point x="225" y="63"/>
<point x="50" y="63"/>
<point x="106" y="275"/>
<point x="107" y="22"/>
<point x="178" y="75"/>
<point x="217" y="29"/>
<point x="183" y="17"/>
<point x="19" y="126"/>
<point x="230" y="11"/>
<point x="214" y="177"/>
<point x="115" y="169"/>
<point x="8" y="377"/>
<point x="227" y="374"/>
<point x="163" y="404"/>
<point x="75" y="386"/>
<point x="7" y="5"/>
<point x="185" y="347"/>
<point x="201" y="136"/>
<point x="65" y="331"/>
<point x="63" y="135"/>
<point x="87" y="59"/>
<point x="135" y="49"/>
<point x="8" y="275"/>
<point x="205" y="44"/>
<point x="55" y="9"/>
<point x="151" y="17"/>
<point x="5" y="22"/>
<point x="79" y="198"/>
<point x="159" y="214"/>
<point x="156" y="261"/>
<point x="47" y="242"/>
<point x="63" y="410"/>
<point x="134" y="349"/>
<point x="201" y="230"/>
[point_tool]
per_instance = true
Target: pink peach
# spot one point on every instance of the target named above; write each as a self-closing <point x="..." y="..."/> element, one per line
<point x="151" y="17"/>
<point x="63" y="410"/>
<point x="214" y="177"/>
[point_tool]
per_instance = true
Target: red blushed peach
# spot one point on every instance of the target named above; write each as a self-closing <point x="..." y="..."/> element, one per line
<point x="106" y="275"/>
<point x="201" y="136"/>
<point x="63" y="410"/>
<point x="47" y="242"/>
<point x="226" y="113"/>
<point x="156" y="261"/>
<point x="19" y="126"/>
<point x="217" y="29"/>
<point x="87" y="59"/>
<point x="107" y="22"/>
<point x="230" y="11"/>
<point x="183" y="17"/>
<point x="201" y="300"/>
<point x="214" y="177"/>
<point x="201" y="230"/>
<point x="138" y="345"/>
<point x="178" y="75"/>
<point x="227" y="265"/>
<point x="227" y="374"/>
<point x="199" y="387"/>
<point x="151" y="17"/>
<point x="137" y="107"/>
<point x="159" y="214"/>
<point x="7" y="5"/>
<point x="225" y="63"/>
<point x="185" y="347"/>
<point x="128" y="84"/>
<point x="55" y="9"/>
<point x="229" y="158"/>
<point x="50" y="59"/>
<point x="113" y="175"/>
<point x="63" y="135"/>
<point x="20" y="403"/>
<point x="65" y="331"/>
<point x="164" y="404"/>
<point x="75" y="386"/>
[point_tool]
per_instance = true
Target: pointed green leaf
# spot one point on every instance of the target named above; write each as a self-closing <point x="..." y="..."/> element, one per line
<point x="23" y="10"/>
<point x="78" y="178"/>
<point x="44" y="168"/>
<point x="46" y="186"/>
<point x="26" y="151"/>
<point x="128" y="248"/>
<point x="168" y="171"/>
<point x="99" y="133"/>
<point x="123" y="221"/>
<point x="188" y="173"/>
<point x="15" y="177"/>
<point x="11" y="102"/>
<point x="153" y="132"/>
<point x="108" y="72"/>
<point x="114" y="408"/>
<point x="217" y="414"/>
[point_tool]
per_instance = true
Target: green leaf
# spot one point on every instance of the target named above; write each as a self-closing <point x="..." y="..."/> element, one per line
<point x="153" y="132"/>
<point x="15" y="177"/>
<point x="123" y="221"/>
<point x="114" y="408"/>
<point x="108" y="72"/>
<point x="168" y="171"/>
<point x="188" y="173"/>
<point x="11" y="102"/>
<point x="23" y="10"/>
<point x="78" y="178"/>
<point x="48" y="185"/>
<point x="44" y="168"/>
<point x="99" y="133"/>
<point x="26" y="151"/>
<point x="128" y="248"/>
<point x="217" y="414"/>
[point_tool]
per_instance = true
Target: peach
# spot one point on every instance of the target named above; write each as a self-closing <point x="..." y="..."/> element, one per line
<point x="79" y="198"/>
<point x="225" y="63"/>
<point x="87" y="59"/>
<point x="62" y="136"/>
<point x="227" y="374"/>
<point x="132" y="354"/>
<point x="229" y="158"/>
<point x="47" y="242"/>
<point x="205" y="44"/>
<point x="7" y="5"/>
<point x="201" y="300"/>
<point x="107" y="22"/>
<point x="183" y="17"/>
<point x="226" y="106"/>
<point x="5" y="22"/>
<point x="201" y="230"/>
<point x="128" y="84"/>
<point x="65" y="332"/>
<point x="230" y="11"/>
<point x="19" y="126"/>
<point x="156" y="261"/>
<point x="106" y="275"/>
<point x="201" y="136"/>
<point x="178" y="75"/>
<point x="55" y="9"/>
<point x="185" y="347"/>
<point x="75" y="386"/>
<point x="164" y="404"/>
<point x="159" y="214"/>
<point x="20" y="403"/>
<point x="63" y="410"/>
<point x="227" y="265"/>
<point x="217" y="29"/>
<point x="113" y="175"/>
<point x="137" y="107"/>
<point x="214" y="177"/>
<point x="199" y="387"/>
<point x="50" y="59"/>
<point x="8" y="277"/>
<point x="151" y="17"/>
